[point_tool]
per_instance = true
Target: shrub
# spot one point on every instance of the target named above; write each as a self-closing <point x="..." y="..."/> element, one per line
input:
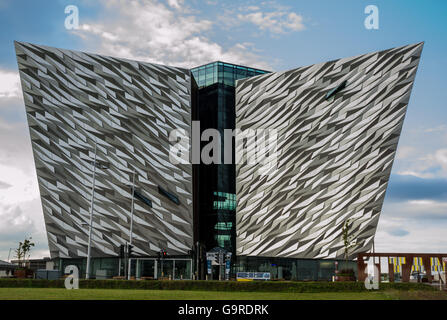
<point x="347" y="273"/>
<point x="260" y="286"/>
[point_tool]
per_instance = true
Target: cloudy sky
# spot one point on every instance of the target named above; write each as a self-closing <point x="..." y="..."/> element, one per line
<point x="274" y="35"/>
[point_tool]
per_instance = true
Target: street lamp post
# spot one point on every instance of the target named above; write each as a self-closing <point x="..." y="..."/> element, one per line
<point x="131" y="222"/>
<point x="87" y="274"/>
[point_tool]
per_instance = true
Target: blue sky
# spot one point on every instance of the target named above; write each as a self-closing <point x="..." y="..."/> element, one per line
<point x="276" y="35"/>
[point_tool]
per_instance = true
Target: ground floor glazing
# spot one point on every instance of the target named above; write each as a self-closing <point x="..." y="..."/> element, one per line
<point x="178" y="268"/>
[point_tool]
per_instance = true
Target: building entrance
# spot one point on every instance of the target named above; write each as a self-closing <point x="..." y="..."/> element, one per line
<point x="152" y="268"/>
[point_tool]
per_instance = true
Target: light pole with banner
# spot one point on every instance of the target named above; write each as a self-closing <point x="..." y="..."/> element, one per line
<point x="227" y="265"/>
<point x="210" y="257"/>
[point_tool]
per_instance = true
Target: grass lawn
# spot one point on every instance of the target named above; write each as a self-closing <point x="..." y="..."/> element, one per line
<point x="130" y="294"/>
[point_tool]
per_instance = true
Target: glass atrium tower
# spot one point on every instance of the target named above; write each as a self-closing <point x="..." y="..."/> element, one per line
<point x="216" y="183"/>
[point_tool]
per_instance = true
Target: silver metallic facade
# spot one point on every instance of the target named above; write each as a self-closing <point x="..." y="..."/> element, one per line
<point x="335" y="153"/>
<point x="75" y="100"/>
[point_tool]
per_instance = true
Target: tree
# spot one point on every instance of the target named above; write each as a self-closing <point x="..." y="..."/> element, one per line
<point x="347" y="240"/>
<point x="23" y="251"/>
<point x="19" y="254"/>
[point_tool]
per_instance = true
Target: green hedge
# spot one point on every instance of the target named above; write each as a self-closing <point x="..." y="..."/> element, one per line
<point x="267" y="286"/>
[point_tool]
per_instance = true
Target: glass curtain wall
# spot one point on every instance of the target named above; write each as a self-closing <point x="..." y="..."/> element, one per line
<point x="293" y="269"/>
<point x="217" y="182"/>
<point x="221" y="72"/>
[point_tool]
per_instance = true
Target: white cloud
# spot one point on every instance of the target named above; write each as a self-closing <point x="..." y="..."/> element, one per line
<point x="440" y="158"/>
<point x="175" y="3"/>
<point x="412" y="226"/>
<point x="22" y="187"/>
<point x="249" y="8"/>
<point x="275" y="22"/>
<point x="15" y="146"/>
<point x="11" y="99"/>
<point x="421" y="209"/>
<point x="13" y="221"/>
<point x="4" y="185"/>
<point x="440" y="128"/>
<point x="20" y="208"/>
<point x="404" y="152"/>
<point x="21" y="212"/>
<point x="9" y="84"/>
<point x="432" y="165"/>
<point x="416" y="174"/>
<point x="428" y="206"/>
<point x="155" y="32"/>
<point x="421" y="152"/>
<point x="19" y="222"/>
<point x="416" y="236"/>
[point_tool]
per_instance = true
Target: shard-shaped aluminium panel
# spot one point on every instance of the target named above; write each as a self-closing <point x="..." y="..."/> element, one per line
<point x="75" y="100"/>
<point x="338" y="125"/>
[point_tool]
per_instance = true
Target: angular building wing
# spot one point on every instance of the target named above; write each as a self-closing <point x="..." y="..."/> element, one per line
<point x="338" y="126"/>
<point x="127" y="109"/>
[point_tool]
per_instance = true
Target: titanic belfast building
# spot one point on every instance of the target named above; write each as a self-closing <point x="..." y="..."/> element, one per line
<point x="101" y="132"/>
